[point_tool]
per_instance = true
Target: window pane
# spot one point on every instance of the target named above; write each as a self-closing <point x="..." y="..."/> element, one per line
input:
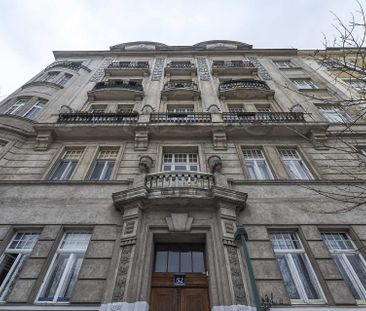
<point x="287" y="277"/>
<point x="63" y="171"/>
<point x="54" y="278"/>
<point x="251" y="170"/>
<point x="71" y="278"/>
<point x="306" y="275"/>
<point x="76" y="241"/>
<point x="198" y="262"/>
<point x="108" y="170"/>
<point x="262" y="166"/>
<point x="359" y="268"/>
<point x="185" y="262"/>
<point x="98" y="168"/>
<point x="173" y="262"/>
<point x="161" y="261"/>
<point x="6" y="265"/>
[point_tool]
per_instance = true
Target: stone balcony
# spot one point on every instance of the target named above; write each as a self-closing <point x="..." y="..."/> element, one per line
<point x="181" y="117"/>
<point x="180" y="69"/>
<point x="116" y="69"/>
<point x="233" y="68"/>
<point x="117" y="89"/>
<point x="180" y="90"/>
<point x="97" y="118"/>
<point x="245" y="89"/>
<point x="262" y="117"/>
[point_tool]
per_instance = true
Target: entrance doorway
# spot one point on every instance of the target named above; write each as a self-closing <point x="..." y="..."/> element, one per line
<point x="179" y="280"/>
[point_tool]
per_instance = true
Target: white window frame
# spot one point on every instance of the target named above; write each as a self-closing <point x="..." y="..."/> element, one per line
<point x="16" y="106"/>
<point x="66" y="271"/>
<point x="182" y="109"/>
<point x="38" y="106"/>
<point x="283" y="64"/>
<point x="295" y="273"/>
<point x="291" y="161"/>
<point x="107" y="160"/>
<point x="69" y="164"/>
<point x="17" y="266"/>
<point x="361" y="290"/>
<point x="255" y="161"/>
<point x="174" y="163"/>
<point x="335" y="113"/>
<point x="304" y="84"/>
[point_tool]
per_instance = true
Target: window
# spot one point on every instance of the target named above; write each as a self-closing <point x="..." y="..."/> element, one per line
<point x="64" y="270"/>
<point x="282" y="64"/>
<point x="179" y="258"/>
<point x="2" y="145"/>
<point x="104" y="165"/>
<point x="16" y="106"/>
<point x="261" y="108"/>
<point x="66" y="165"/>
<point x="294" y="164"/>
<point x="181" y="109"/>
<point x="13" y="260"/>
<point x="180" y="162"/>
<point x="50" y="76"/>
<point x="299" y="278"/>
<point x="98" y="108"/>
<point x="359" y="85"/>
<point x="349" y="261"/>
<point x="256" y="164"/>
<point x="335" y="114"/>
<point x="124" y="108"/>
<point x="304" y="84"/>
<point x="36" y="108"/>
<point x="64" y="79"/>
<point x="235" y="108"/>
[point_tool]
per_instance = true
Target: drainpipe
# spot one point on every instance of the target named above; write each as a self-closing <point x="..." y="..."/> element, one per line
<point x="242" y="235"/>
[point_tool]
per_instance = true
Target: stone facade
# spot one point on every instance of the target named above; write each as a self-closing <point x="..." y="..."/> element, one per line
<point x="222" y="98"/>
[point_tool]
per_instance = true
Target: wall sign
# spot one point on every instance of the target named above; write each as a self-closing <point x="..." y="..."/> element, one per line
<point x="179" y="280"/>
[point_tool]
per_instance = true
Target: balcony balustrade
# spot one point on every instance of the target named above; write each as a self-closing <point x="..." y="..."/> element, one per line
<point x="179" y="180"/>
<point x="262" y="117"/>
<point x="180" y="68"/>
<point x="233" y="68"/>
<point x="128" y="68"/>
<point x="100" y="118"/>
<point x="180" y="117"/>
<point x="180" y="90"/>
<point x="117" y="89"/>
<point x="245" y="89"/>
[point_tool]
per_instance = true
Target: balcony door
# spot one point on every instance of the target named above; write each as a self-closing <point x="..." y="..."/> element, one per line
<point x="179" y="281"/>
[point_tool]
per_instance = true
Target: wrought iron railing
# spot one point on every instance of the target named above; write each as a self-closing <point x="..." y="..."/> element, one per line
<point x="180" y="117"/>
<point x="180" y="65"/>
<point x="129" y="65"/>
<point x="179" y="180"/>
<point x="118" y="84"/>
<point x="223" y="65"/>
<point x="190" y="85"/>
<point x="88" y="118"/>
<point x="262" y="117"/>
<point x="243" y="84"/>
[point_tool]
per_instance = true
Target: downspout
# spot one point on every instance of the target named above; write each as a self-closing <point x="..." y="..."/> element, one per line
<point x="242" y="235"/>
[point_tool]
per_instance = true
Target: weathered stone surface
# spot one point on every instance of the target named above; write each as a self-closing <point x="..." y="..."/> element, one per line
<point x="21" y="291"/>
<point x="50" y="232"/>
<point x="42" y="249"/>
<point x="311" y="233"/>
<point x="266" y="269"/>
<point x="360" y="231"/>
<point x="340" y="292"/>
<point x="257" y="232"/>
<point x="104" y="233"/>
<point x="319" y="249"/>
<point x="100" y="249"/>
<point x="4" y="230"/>
<point x="94" y="269"/>
<point x="32" y="268"/>
<point x="278" y="289"/>
<point x="260" y="249"/>
<point x="88" y="291"/>
<point x="329" y="269"/>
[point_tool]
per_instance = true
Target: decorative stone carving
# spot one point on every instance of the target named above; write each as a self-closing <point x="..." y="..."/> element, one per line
<point x="318" y="139"/>
<point x="147" y="109"/>
<point x="263" y="73"/>
<point x="213" y="109"/>
<point x="158" y="69"/>
<point x="125" y="306"/>
<point x="236" y="275"/>
<point x="99" y="73"/>
<point x="141" y="140"/>
<point x="203" y="70"/>
<point x="65" y="109"/>
<point x="229" y="227"/>
<point x="43" y="140"/>
<point x="129" y="227"/>
<point x="145" y="164"/>
<point x="124" y="263"/>
<point x="297" y="108"/>
<point x="179" y="222"/>
<point x="219" y="140"/>
<point x="215" y="163"/>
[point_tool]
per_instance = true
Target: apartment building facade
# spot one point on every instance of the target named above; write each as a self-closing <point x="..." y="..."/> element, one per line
<point x="204" y="177"/>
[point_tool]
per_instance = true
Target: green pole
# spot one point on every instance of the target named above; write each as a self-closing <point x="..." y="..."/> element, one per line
<point x="242" y="235"/>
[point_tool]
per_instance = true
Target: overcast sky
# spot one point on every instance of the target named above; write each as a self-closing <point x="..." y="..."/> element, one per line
<point x="31" y="29"/>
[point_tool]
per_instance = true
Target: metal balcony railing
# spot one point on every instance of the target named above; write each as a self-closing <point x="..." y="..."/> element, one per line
<point x="242" y="64"/>
<point x="262" y="117"/>
<point x="116" y="84"/>
<point x="89" y="118"/>
<point x="179" y="180"/>
<point x="189" y="85"/>
<point x="180" y="65"/>
<point x="180" y="117"/>
<point x="129" y="65"/>
<point x="243" y="84"/>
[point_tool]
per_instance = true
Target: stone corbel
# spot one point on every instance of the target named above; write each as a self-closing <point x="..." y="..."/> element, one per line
<point x="219" y="140"/>
<point x="215" y="164"/>
<point x="318" y="139"/>
<point x="141" y="140"/>
<point x="43" y="140"/>
<point x="145" y="165"/>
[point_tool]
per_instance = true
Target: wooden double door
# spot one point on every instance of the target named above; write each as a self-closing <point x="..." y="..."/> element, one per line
<point x="191" y="297"/>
